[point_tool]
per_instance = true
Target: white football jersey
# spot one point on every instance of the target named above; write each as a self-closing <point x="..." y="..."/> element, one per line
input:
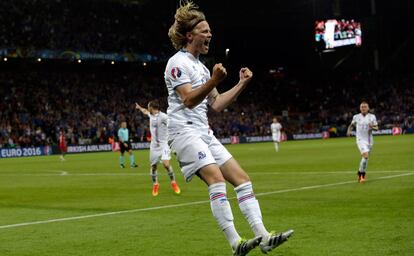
<point x="363" y="132"/>
<point x="276" y="127"/>
<point x="184" y="68"/>
<point x="158" y="128"/>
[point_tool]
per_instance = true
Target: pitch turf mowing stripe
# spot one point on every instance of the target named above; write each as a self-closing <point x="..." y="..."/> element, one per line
<point x="192" y="203"/>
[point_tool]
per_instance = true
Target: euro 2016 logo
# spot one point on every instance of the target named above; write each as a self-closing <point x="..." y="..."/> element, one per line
<point x="175" y="72"/>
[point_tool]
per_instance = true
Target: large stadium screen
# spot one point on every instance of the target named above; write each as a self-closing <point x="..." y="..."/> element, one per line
<point x="336" y="33"/>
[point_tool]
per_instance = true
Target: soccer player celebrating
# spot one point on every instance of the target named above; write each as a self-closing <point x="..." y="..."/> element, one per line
<point x="159" y="149"/>
<point x="365" y="122"/>
<point x="62" y="144"/>
<point x="125" y="145"/>
<point x="190" y="91"/>
<point x="275" y="127"/>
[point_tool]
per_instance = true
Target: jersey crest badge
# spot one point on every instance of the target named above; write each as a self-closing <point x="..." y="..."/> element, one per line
<point x="201" y="155"/>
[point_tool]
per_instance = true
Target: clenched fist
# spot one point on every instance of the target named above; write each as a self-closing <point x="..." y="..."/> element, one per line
<point x="219" y="72"/>
<point x="245" y="75"/>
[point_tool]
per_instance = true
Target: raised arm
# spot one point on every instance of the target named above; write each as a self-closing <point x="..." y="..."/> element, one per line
<point x="192" y="97"/>
<point x="143" y="110"/>
<point x="218" y="101"/>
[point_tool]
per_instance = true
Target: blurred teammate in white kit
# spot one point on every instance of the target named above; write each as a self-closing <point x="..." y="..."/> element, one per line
<point x="275" y="127"/>
<point x="159" y="149"/>
<point x="364" y="122"/>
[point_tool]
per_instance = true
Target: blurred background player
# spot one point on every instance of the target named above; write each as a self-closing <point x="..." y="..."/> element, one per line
<point x="62" y="144"/>
<point x="159" y="149"/>
<point x="364" y="122"/>
<point x="125" y="145"/>
<point x="275" y="127"/>
<point x="190" y="91"/>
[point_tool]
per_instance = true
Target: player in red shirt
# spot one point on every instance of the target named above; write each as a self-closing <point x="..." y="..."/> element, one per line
<point x="62" y="144"/>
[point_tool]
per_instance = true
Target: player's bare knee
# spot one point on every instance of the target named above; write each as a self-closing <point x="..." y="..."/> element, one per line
<point x="233" y="173"/>
<point x="240" y="179"/>
<point x="244" y="178"/>
<point x="212" y="179"/>
<point x="211" y="174"/>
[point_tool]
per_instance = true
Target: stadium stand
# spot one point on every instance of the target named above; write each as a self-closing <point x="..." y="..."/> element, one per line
<point x="90" y="106"/>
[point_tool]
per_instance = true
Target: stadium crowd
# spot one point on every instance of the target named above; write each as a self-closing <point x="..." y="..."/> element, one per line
<point x="91" y="26"/>
<point x="90" y="106"/>
<point x="36" y="105"/>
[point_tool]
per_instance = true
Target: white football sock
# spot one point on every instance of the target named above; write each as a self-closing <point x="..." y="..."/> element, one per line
<point x="363" y="165"/>
<point x="232" y="236"/>
<point x="171" y="173"/>
<point x="221" y="209"/>
<point x="276" y="146"/>
<point x="250" y="208"/>
<point x="154" y="176"/>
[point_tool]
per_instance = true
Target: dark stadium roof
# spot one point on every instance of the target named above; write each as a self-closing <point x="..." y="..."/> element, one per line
<point x="281" y="31"/>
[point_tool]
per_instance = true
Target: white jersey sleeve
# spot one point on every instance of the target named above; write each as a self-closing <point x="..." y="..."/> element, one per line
<point x="374" y="120"/>
<point x="164" y="119"/>
<point x="354" y="120"/>
<point x="178" y="72"/>
<point x="163" y="127"/>
<point x="158" y="128"/>
<point x="279" y="126"/>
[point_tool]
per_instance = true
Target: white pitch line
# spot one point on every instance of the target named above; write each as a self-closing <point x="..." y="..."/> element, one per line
<point x="63" y="173"/>
<point x="71" y="174"/>
<point x="102" y="214"/>
<point x="189" y="203"/>
<point x="330" y="185"/>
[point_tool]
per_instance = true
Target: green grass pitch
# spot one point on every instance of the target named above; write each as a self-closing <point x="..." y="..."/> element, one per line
<point x="87" y="205"/>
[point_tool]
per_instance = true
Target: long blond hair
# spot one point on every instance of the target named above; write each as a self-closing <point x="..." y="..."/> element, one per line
<point x="186" y="17"/>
